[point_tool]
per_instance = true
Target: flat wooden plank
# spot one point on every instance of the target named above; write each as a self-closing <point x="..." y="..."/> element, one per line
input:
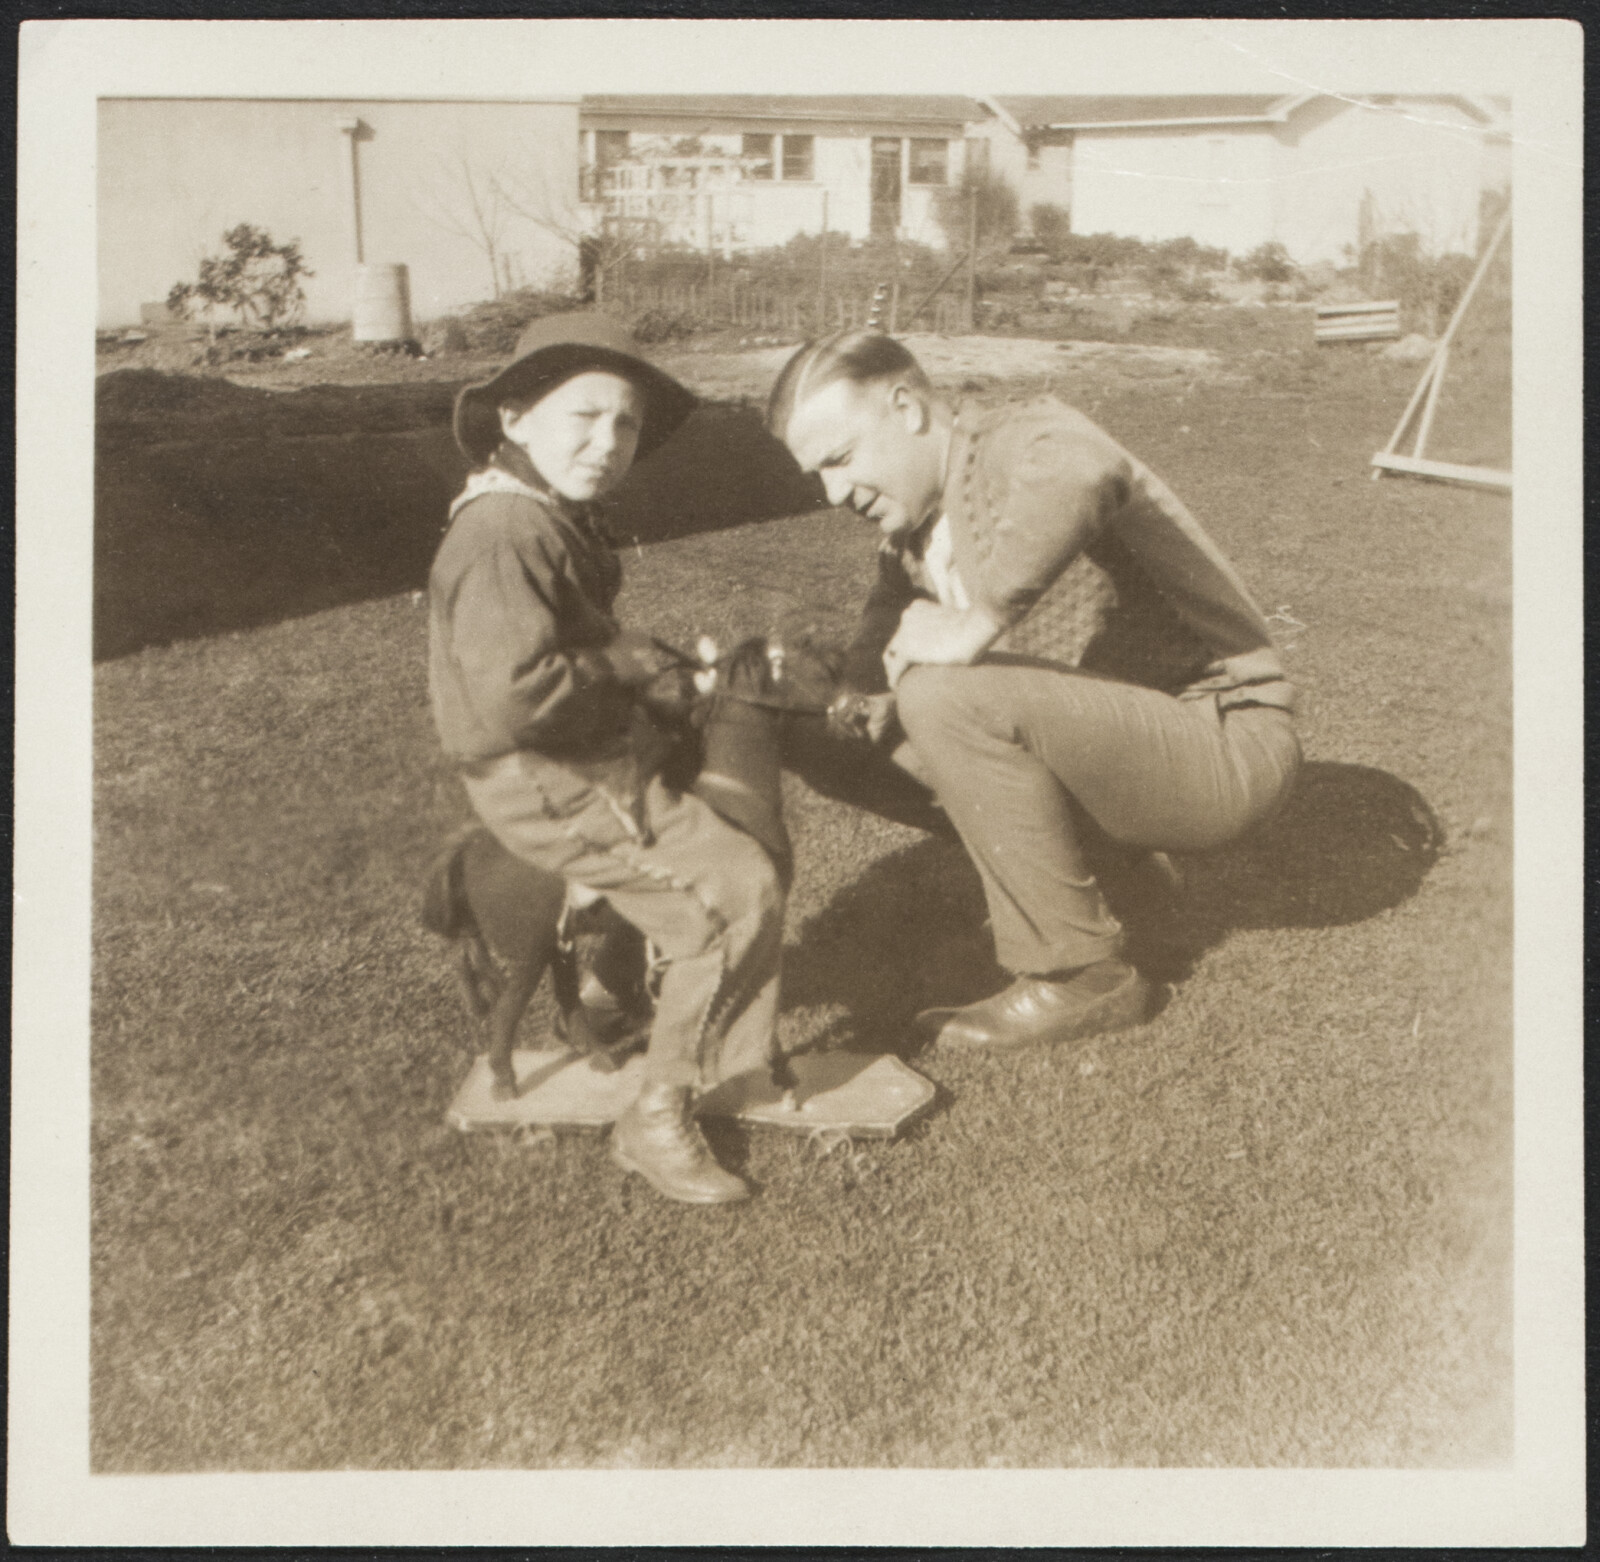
<point x="1334" y="311"/>
<point x="864" y="1095"/>
<point x="1444" y="471"/>
<point x="555" y="1089"/>
<point x="1367" y="328"/>
<point x="861" y="1094"/>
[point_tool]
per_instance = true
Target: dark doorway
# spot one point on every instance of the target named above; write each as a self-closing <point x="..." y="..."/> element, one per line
<point x="885" y="187"/>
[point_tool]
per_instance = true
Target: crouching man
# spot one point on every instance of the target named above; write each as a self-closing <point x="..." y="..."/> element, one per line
<point x="1052" y="645"/>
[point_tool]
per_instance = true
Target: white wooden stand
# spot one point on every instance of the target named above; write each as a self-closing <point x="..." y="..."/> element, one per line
<point x="1426" y="397"/>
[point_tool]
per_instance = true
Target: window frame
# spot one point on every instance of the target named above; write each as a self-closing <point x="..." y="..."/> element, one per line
<point x="810" y="174"/>
<point x="942" y="142"/>
<point x="769" y="157"/>
<point x="612" y="139"/>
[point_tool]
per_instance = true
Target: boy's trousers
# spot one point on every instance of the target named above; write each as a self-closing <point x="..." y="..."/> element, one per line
<point x="704" y="893"/>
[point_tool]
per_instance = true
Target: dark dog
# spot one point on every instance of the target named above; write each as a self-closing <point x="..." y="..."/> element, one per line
<point x="510" y="919"/>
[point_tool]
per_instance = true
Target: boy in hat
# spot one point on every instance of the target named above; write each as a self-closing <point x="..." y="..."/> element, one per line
<point x="543" y="701"/>
<point x="1052" y="640"/>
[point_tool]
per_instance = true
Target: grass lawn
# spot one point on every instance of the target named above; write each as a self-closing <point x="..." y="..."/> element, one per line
<point x="1271" y="1227"/>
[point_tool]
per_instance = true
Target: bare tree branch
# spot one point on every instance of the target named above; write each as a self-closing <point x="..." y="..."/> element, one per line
<point x="466" y="200"/>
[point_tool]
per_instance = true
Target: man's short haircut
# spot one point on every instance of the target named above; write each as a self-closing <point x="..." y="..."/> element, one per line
<point x="862" y="357"/>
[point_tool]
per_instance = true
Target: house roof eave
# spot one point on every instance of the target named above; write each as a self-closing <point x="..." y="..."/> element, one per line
<point x="1080" y="127"/>
<point x="950" y="112"/>
<point x="1281" y="110"/>
<point x="995" y="107"/>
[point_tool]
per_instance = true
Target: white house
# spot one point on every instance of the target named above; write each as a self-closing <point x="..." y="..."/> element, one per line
<point x="1315" y="172"/>
<point x="739" y="172"/>
<point x="472" y="197"/>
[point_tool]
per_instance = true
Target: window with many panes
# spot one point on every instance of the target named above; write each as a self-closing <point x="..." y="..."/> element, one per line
<point x="930" y="161"/>
<point x="797" y="159"/>
<point x="760" y="149"/>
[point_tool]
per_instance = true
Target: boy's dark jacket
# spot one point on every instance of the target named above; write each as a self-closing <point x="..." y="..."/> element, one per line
<point x="524" y="653"/>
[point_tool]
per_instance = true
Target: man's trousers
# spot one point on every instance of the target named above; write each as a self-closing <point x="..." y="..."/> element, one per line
<point x="1018" y="755"/>
<point x="705" y="893"/>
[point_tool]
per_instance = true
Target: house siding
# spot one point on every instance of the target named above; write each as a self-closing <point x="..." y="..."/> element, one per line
<point x="1420" y="166"/>
<point x="1212" y="184"/>
<point x="175" y="174"/>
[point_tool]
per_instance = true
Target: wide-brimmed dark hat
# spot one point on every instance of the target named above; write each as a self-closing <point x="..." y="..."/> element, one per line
<point x="554" y="349"/>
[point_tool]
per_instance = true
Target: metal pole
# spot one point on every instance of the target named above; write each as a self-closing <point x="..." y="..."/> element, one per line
<point x="894" y="286"/>
<point x="938" y="288"/>
<point x="972" y="255"/>
<point x="822" y="268"/>
<point x="352" y="128"/>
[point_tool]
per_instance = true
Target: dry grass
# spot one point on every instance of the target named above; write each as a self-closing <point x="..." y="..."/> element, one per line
<point x="1270" y="1227"/>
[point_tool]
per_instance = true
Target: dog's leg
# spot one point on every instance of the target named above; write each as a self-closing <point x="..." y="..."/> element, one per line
<point x="518" y="908"/>
<point x="504" y="1018"/>
<point x="481" y="980"/>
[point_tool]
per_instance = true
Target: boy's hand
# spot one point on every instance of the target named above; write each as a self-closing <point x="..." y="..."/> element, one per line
<point x="635" y="659"/>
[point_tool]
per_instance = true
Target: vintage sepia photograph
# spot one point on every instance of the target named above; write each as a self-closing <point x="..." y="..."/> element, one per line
<point x="794" y="766"/>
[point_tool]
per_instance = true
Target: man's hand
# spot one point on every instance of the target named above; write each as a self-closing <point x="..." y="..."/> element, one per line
<point x="941" y="636"/>
<point x="867" y="716"/>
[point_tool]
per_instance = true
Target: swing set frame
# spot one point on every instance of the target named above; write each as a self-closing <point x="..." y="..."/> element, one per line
<point x="1426" y="397"/>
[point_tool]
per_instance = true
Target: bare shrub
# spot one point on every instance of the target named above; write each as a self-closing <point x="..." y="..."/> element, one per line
<point x="1052" y="227"/>
<point x="997" y="210"/>
<point x="1268" y="262"/>
<point x="1428" y="286"/>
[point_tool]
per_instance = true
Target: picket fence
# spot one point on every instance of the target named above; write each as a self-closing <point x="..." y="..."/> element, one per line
<point x="762" y="307"/>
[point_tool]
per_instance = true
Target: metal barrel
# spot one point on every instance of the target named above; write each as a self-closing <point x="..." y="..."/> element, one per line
<point x="383" y="304"/>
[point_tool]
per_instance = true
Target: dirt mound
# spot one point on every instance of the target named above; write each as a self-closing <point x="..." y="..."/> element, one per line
<point x="148" y="406"/>
<point x="148" y="393"/>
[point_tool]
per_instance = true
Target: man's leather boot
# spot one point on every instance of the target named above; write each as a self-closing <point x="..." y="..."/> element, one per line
<point x="1040" y="1011"/>
<point x="658" y="1138"/>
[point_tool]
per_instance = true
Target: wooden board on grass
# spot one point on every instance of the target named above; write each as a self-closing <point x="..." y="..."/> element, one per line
<point x="860" y="1094"/>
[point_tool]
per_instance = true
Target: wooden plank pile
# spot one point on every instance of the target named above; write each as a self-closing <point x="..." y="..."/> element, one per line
<point x="1365" y="322"/>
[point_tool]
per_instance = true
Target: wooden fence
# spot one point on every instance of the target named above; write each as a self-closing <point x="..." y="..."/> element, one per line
<point x="763" y="307"/>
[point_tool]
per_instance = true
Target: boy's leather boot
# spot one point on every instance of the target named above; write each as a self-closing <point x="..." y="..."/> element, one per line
<point x="658" y="1138"/>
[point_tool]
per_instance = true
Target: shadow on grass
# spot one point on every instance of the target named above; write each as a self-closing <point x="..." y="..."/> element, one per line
<point x="220" y="508"/>
<point x="910" y="933"/>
